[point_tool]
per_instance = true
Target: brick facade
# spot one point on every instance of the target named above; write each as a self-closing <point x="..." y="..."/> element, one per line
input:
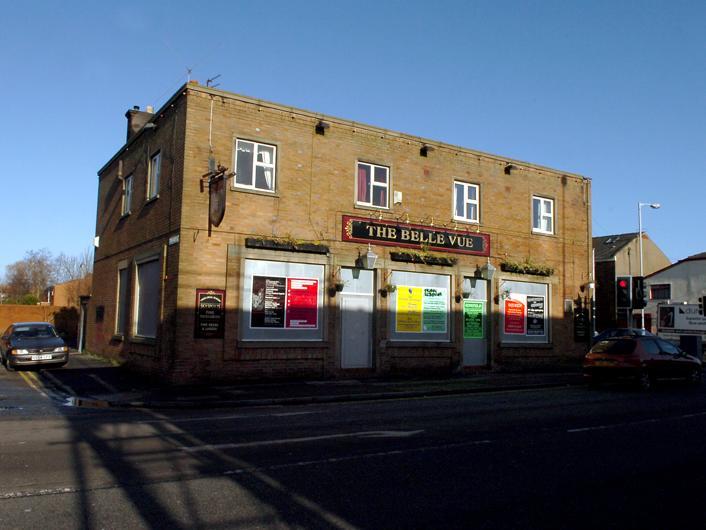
<point x="315" y="186"/>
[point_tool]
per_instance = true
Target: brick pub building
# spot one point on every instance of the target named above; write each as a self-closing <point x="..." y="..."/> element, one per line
<point x="345" y="250"/>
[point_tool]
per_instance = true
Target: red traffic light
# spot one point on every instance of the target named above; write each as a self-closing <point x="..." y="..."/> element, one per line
<point x="622" y="283"/>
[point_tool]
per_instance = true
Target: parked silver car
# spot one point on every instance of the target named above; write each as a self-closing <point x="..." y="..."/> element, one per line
<point x="31" y="344"/>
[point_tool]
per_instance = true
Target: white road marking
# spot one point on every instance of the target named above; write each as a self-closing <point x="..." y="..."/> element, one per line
<point x="229" y="417"/>
<point x="55" y="381"/>
<point x="638" y="422"/>
<point x="105" y="384"/>
<point x="363" y="434"/>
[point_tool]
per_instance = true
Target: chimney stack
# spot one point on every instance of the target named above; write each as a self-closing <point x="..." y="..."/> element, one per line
<point x="136" y="120"/>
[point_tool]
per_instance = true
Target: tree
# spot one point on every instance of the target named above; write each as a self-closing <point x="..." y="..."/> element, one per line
<point x="69" y="268"/>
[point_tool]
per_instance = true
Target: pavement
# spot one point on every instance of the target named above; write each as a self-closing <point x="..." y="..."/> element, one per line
<point x="92" y="382"/>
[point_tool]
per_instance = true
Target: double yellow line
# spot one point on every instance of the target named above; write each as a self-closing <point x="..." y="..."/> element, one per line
<point x="33" y="381"/>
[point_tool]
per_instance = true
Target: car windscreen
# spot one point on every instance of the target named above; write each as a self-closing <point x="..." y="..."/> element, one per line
<point x="615" y="346"/>
<point x="34" y="332"/>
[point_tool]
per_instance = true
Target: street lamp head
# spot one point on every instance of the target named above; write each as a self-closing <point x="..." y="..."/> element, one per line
<point x="655" y="205"/>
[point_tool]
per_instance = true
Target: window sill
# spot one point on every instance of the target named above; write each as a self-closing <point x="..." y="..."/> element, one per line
<point x="525" y="345"/>
<point x="117" y="338"/>
<point x="372" y="208"/>
<point x="538" y="233"/>
<point x="466" y="221"/>
<point x="125" y="215"/>
<point x="144" y="340"/>
<point x="255" y="191"/>
<point x="151" y="199"/>
<point x="420" y="344"/>
<point x="282" y="344"/>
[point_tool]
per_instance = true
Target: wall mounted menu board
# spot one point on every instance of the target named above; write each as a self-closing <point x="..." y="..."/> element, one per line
<point x="210" y="313"/>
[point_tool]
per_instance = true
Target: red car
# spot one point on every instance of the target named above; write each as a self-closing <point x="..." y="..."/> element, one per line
<point x="641" y="359"/>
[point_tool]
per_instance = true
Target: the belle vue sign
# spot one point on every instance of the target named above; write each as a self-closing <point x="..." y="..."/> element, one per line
<point x="401" y="234"/>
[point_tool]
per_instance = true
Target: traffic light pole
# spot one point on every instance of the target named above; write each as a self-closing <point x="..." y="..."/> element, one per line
<point x="655" y="206"/>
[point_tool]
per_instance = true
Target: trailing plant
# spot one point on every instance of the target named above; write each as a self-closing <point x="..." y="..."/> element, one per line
<point x="423" y="257"/>
<point x="526" y="267"/>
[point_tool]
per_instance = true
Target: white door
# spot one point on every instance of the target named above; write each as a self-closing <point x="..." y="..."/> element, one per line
<point x="356" y="304"/>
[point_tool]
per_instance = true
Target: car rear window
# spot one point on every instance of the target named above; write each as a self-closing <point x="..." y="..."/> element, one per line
<point x="617" y="347"/>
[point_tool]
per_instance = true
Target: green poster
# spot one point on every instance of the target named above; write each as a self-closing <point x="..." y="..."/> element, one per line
<point x="473" y="319"/>
<point x="434" y="310"/>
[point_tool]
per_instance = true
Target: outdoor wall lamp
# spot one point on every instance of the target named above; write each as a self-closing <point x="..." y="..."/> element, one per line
<point x="488" y="271"/>
<point x="508" y="168"/>
<point x="321" y="127"/>
<point x="467" y="287"/>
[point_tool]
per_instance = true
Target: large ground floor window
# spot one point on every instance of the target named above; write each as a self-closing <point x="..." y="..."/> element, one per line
<point x="525" y="310"/>
<point x="282" y="301"/>
<point x="419" y="307"/>
<point x="147" y="297"/>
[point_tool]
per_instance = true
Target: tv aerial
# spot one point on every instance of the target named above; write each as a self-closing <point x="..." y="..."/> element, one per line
<point x="209" y="82"/>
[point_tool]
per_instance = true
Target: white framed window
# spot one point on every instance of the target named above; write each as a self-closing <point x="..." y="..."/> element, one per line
<point x="466" y="204"/>
<point x="146" y="309"/>
<point x="122" y="301"/>
<point x="127" y="195"/>
<point x="255" y="165"/>
<point x="153" y="175"/>
<point x="372" y="185"/>
<point x="542" y="215"/>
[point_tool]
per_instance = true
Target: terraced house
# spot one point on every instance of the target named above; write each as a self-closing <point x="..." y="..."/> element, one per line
<point x="238" y="238"/>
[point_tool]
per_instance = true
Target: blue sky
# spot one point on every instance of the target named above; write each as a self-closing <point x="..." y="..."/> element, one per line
<point x="613" y="90"/>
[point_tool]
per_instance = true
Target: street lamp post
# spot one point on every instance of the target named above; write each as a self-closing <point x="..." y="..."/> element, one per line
<point x="653" y="205"/>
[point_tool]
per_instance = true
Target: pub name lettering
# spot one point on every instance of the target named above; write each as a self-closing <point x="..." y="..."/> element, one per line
<point x="416" y="236"/>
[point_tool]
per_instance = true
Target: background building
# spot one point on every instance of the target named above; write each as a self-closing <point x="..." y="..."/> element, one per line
<point x="682" y="283"/>
<point x="619" y="255"/>
<point x="240" y="238"/>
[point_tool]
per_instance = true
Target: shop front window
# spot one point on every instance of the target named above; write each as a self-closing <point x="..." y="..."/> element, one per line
<point x="283" y="301"/>
<point x="419" y="307"/>
<point x="525" y="311"/>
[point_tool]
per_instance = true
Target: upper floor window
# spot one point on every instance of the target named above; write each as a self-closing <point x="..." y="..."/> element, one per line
<point x="127" y="195"/>
<point x="372" y="185"/>
<point x="153" y="175"/>
<point x="542" y="215"/>
<point x="465" y="202"/>
<point x="660" y="291"/>
<point x="255" y="165"/>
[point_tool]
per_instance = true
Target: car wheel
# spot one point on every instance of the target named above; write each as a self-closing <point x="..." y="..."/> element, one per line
<point x="695" y="377"/>
<point x="644" y="380"/>
<point x="8" y="366"/>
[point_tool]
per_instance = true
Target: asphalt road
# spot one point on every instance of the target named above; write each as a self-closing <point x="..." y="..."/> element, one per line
<point x="554" y="458"/>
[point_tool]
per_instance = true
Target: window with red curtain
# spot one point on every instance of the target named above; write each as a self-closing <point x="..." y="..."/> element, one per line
<point x="372" y="185"/>
<point x="363" y="183"/>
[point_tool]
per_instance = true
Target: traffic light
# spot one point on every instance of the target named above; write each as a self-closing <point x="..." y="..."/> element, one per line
<point x="623" y="289"/>
<point x="639" y="300"/>
<point x="702" y="305"/>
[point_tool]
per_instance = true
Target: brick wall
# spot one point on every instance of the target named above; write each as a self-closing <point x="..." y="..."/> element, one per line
<point x="10" y="313"/>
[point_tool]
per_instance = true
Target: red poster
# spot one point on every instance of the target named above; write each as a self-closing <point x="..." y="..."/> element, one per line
<point x="514" y="317"/>
<point x="302" y="295"/>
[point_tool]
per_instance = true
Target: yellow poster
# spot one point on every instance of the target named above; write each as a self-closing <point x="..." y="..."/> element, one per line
<point x="409" y="309"/>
